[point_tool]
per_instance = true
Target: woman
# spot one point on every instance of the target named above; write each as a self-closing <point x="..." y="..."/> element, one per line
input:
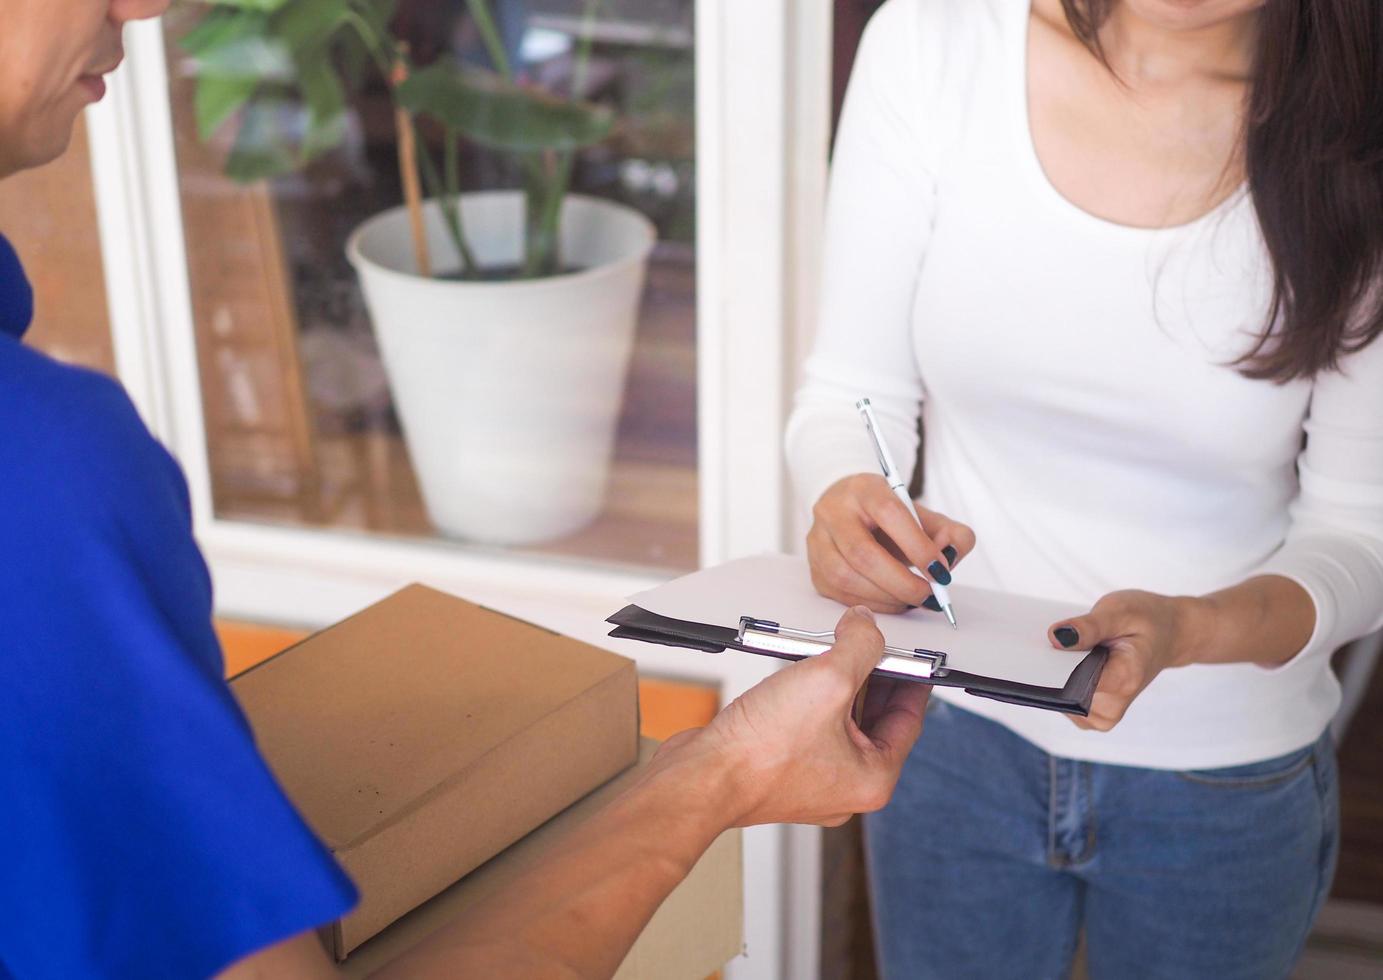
<point x="141" y="834"/>
<point x="1125" y="255"/>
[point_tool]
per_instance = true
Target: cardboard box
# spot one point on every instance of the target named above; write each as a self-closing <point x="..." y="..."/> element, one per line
<point x="696" y="931"/>
<point x="424" y="735"/>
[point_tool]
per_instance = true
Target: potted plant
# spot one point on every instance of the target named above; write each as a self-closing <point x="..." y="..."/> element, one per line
<point x="505" y="318"/>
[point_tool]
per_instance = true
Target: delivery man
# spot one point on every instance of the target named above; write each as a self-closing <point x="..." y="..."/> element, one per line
<point x="141" y="834"/>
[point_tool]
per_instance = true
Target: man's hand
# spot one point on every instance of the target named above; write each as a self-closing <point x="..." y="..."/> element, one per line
<point x="789" y="750"/>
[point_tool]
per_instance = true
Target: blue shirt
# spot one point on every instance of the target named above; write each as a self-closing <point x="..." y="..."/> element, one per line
<point x="141" y="834"/>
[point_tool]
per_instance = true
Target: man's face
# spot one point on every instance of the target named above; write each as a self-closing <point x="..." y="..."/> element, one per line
<point x="53" y="54"/>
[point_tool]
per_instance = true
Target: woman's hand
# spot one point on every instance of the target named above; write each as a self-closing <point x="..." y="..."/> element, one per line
<point x="1145" y="634"/>
<point x="862" y="539"/>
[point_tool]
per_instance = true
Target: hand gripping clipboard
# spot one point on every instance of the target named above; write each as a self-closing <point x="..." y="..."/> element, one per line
<point x="999" y="652"/>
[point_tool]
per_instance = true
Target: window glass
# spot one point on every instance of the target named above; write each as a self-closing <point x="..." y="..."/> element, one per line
<point x="554" y="416"/>
<point x="49" y="215"/>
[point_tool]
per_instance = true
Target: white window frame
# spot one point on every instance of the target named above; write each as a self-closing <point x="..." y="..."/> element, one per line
<point x="763" y="108"/>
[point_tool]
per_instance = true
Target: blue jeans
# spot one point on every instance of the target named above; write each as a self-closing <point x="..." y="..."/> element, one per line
<point x="993" y="856"/>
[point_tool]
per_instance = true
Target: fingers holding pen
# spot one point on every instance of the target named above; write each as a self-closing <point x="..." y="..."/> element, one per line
<point x="846" y="559"/>
<point x="863" y="540"/>
<point x="956" y="540"/>
<point x="833" y="576"/>
<point x="929" y="540"/>
<point x="885" y="511"/>
<point x="869" y="559"/>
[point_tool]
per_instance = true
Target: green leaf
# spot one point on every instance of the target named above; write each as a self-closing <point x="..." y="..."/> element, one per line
<point x="353" y="58"/>
<point x="326" y="104"/>
<point x="306" y="25"/>
<point x="267" y="6"/>
<point x="383" y="9"/>
<point x="264" y="146"/>
<point x="253" y="56"/>
<point x="222" y="26"/>
<point x="494" y="113"/>
<point x="377" y="17"/>
<point x="217" y="99"/>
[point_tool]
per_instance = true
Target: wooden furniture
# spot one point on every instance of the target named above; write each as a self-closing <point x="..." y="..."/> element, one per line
<point x="49" y="214"/>
<point x="258" y="421"/>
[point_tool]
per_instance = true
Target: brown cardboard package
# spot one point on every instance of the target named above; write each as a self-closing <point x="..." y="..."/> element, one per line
<point x="424" y="735"/>
<point x="695" y="932"/>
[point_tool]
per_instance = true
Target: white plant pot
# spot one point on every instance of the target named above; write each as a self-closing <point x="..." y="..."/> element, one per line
<point x="508" y="392"/>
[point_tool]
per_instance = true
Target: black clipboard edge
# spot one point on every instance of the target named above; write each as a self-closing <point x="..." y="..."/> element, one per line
<point x="664" y="639"/>
<point x="634" y="623"/>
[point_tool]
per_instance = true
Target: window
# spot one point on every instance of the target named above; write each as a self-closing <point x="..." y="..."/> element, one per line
<point x="219" y="293"/>
<point x="49" y="215"/>
<point x="307" y="424"/>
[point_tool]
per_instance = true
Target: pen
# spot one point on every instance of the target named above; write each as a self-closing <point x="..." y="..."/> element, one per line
<point x="895" y="483"/>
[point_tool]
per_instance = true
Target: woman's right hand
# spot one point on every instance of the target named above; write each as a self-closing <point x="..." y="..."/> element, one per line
<point x="862" y="540"/>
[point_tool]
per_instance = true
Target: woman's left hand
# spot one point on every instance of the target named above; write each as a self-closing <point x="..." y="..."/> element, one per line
<point x="1145" y="634"/>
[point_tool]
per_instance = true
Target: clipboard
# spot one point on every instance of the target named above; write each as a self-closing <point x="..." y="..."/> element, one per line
<point x="999" y="652"/>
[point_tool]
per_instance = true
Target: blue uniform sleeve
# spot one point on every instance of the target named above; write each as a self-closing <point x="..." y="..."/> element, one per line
<point x="141" y="834"/>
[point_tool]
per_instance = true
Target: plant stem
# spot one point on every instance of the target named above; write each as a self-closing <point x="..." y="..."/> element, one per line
<point x="534" y="204"/>
<point x="408" y="172"/>
<point x="407" y="137"/>
<point x="583" y="51"/>
<point x="374" y="43"/>
<point x="395" y="63"/>
<point x="550" y="215"/>
<point x="489" y="34"/>
<point x="451" y="199"/>
<point x="451" y="166"/>
<point x="539" y="247"/>
<point x="547" y="225"/>
<point x="451" y="210"/>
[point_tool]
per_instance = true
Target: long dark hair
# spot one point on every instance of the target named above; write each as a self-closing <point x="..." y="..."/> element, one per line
<point x="1313" y="153"/>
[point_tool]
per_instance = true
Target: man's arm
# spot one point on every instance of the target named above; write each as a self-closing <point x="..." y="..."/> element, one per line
<point x="578" y="912"/>
<point x="788" y="751"/>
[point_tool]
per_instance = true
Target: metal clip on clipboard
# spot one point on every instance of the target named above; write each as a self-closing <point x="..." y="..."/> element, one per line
<point x="769" y="637"/>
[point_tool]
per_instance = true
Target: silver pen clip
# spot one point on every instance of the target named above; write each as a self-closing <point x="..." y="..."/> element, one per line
<point x="871" y="425"/>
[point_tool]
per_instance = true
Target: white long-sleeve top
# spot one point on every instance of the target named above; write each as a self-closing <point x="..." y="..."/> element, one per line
<point x="1073" y="381"/>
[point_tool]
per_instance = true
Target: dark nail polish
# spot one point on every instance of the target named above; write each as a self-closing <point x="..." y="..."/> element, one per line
<point x="950" y="554"/>
<point x="938" y="571"/>
<point x="1066" y="636"/>
<point x="931" y="603"/>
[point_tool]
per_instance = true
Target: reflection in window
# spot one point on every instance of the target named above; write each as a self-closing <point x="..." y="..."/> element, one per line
<point x="303" y="426"/>
<point x="49" y="215"/>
